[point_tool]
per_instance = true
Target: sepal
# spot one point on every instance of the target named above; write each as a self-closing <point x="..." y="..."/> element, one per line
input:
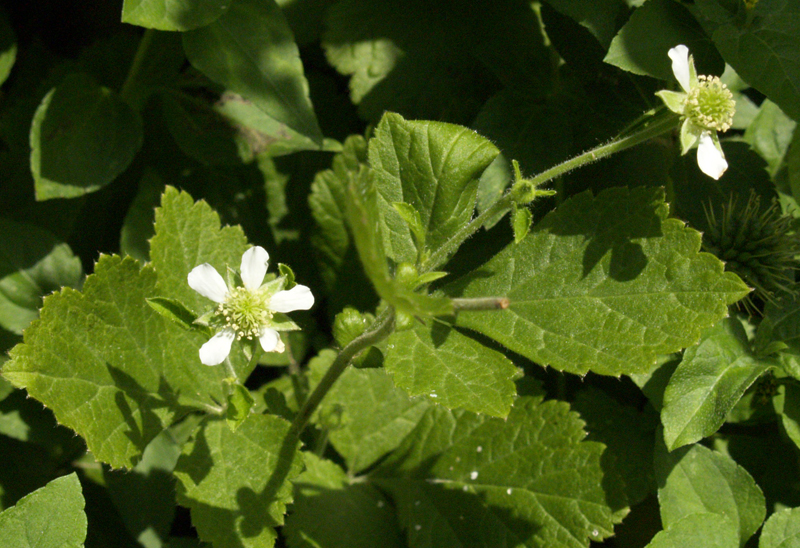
<point x="674" y="100"/>
<point x="288" y="275"/>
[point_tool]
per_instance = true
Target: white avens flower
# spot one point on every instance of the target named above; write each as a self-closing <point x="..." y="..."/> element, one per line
<point x="706" y="106"/>
<point x="252" y="311"/>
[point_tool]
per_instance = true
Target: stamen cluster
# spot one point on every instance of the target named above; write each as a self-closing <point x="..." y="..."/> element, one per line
<point x="710" y="104"/>
<point x="245" y="312"/>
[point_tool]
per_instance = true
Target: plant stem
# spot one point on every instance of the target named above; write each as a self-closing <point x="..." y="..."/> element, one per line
<point x="137" y="63"/>
<point x="381" y="328"/>
<point x="660" y="123"/>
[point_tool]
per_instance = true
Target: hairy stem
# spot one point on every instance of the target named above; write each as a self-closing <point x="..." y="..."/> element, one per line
<point x="380" y="329"/>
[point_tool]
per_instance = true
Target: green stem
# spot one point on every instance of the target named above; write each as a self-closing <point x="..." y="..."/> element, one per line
<point x="661" y="124"/>
<point x="137" y="63"/>
<point x="380" y="329"/>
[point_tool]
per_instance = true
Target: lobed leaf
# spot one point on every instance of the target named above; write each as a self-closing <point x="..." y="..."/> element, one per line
<point x="49" y="517"/>
<point x="466" y="480"/>
<point x="602" y="284"/>
<point x="236" y="483"/>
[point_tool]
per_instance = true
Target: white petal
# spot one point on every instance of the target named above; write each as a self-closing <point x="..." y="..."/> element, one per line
<point x="680" y="65"/>
<point x="206" y="280"/>
<point x="297" y="298"/>
<point x="254" y="267"/>
<point x="270" y="340"/>
<point x="710" y="158"/>
<point x="217" y="347"/>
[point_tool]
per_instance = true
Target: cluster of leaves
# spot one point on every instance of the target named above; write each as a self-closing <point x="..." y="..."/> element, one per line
<point x="618" y="397"/>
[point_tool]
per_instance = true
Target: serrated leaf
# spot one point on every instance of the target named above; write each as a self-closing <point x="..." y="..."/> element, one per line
<point x="330" y="511"/>
<point x="696" y="479"/>
<point x="33" y="263"/>
<point x="82" y="137"/>
<point x="451" y="369"/>
<point x="250" y="50"/>
<point x="764" y="50"/>
<point x="434" y="168"/>
<point x="602" y="284"/>
<point x="367" y="416"/>
<point x="702" y="530"/>
<point x="641" y="46"/>
<point x="708" y="383"/>
<point x="173" y="15"/>
<point x="237" y="501"/>
<point x="781" y="530"/>
<point x="124" y="373"/>
<point x="466" y="480"/>
<point x="49" y="517"/>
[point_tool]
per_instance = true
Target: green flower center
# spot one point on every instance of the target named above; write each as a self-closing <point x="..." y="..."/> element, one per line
<point x="710" y="104"/>
<point x="245" y="312"/>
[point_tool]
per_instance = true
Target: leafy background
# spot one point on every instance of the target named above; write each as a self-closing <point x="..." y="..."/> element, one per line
<point x="614" y="402"/>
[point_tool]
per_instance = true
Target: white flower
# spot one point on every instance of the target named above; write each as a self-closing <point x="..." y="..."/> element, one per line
<point x="249" y="311"/>
<point x="706" y="105"/>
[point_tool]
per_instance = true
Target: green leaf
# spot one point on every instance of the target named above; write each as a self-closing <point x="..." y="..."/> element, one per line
<point x="781" y="324"/>
<point x="702" y="530"/>
<point x="49" y="517"/>
<point x="237" y="501"/>
<point x="762" y="50"/>
<point x="770" y="134"/>
<point x="180" y="15"/>
<point x="787" y="405"/>
<point x="199" y="130"/>
<point x="466" y="480"/>
<point x="174" y="311"/>
<point x="696" y="479"/>
<point x="250" y="50"/>
<point x="599" y="17"/>
<point x="82" y="137"/>
<point x="33" y="263"/>
<point x="451" y="369"/>
<point x="642" y="44"/>
<point x="124" y="373"/>
<point x="8" y="47"/>
<point x="433" y="167"/>
<point x="603" y="284"/>
<point x="331" y="511"/>
<point x="781" y="530"/>
<point x="413" y="220"/>
<point x="521" y="220"/>
<point x="240" y="405"/>
<point x="628" y="435"/>
<point x="137" y="228"/>
<point x="708" y="383"/>
<point x="366" y="414"/>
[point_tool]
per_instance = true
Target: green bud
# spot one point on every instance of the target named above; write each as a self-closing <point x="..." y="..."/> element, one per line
<point x="349" y="324"/>
<point x="407" y="275"/>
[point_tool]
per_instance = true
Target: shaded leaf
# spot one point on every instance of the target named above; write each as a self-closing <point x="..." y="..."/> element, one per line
<point x="708" y="383"/>
<point x="180" y="15"/>
<point x="770" y="134"/>
<point x="236" y="483"/>
<point x="48" y="517"/>
<point x="367" y="416"/>
<point x="603" y="284"/>
<point x="467" y="480"/>
<point x="251" y="51"/>
<point x="599" y="17"/>
<point x="82" y="137"/>
<point x="642" y="44"/>
<point x="761" y="46"/>
<point x="701" y="530"/>
<point x="33" y="263"/>
<point x="331" y="511"/>
<point x="8" y="48"/>
<point x="695" y="479"/>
